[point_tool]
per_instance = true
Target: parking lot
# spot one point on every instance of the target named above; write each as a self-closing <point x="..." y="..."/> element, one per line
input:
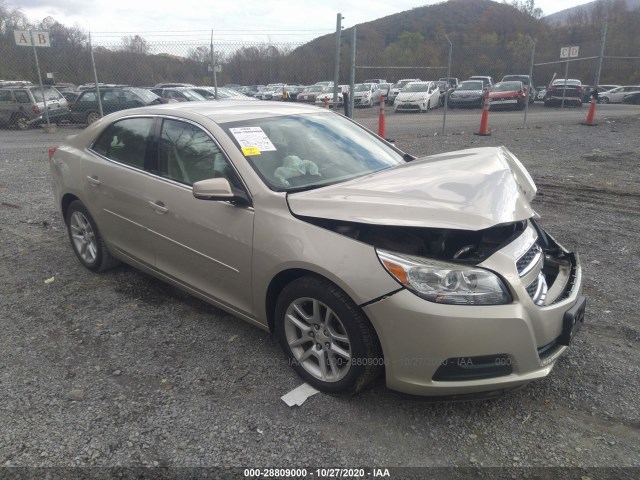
<point x="119" y="369"/>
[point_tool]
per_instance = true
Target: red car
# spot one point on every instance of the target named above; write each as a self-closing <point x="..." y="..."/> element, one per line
<point x="508" y="95"/>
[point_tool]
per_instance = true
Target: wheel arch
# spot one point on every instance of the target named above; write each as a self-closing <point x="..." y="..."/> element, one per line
<point x="285" y="277"/>
<point x="67" y="198"/>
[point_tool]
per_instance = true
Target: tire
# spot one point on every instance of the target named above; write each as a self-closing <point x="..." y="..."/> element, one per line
<point x="603" y="100"/>
<point x="327" y="339"/>
<point x="93" y="117"/>
<point x="86" y="241"/>
<point x="21" y="121"/>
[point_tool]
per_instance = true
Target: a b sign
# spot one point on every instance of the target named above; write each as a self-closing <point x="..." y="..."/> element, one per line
<point x="23" y="38"/>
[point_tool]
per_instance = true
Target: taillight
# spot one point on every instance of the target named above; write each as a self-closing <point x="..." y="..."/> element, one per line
<point x="36" y="110"/>
<point x="52" y="150"/>
<point x="580" y="90"/>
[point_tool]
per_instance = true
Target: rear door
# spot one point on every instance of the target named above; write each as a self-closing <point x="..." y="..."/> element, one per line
<point x="117" y="185"/>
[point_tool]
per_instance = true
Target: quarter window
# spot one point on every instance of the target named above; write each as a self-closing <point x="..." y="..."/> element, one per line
<point x="125" y="141"/>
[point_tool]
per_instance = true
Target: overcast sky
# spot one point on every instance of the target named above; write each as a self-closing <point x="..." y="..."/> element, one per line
<point x="280" y="21"/>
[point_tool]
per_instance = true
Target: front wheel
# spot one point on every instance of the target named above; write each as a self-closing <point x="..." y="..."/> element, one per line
<point x="603" y="100"/>
<point x="328" y="340"/>
<point x="86" y="240"/>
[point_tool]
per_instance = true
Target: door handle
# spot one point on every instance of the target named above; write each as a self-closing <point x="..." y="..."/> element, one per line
<point x="93" y="180"/>
<point x="158" y="207"/>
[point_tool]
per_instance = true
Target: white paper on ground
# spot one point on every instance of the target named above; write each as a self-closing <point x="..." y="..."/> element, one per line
<point x="299" y="395"/>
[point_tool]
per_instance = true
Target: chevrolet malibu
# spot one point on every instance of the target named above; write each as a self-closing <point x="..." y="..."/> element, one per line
<point x="362" y="260"/>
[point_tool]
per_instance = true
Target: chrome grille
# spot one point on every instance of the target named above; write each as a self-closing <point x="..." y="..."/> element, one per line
<point x="537" y="289"/>
<point x="529" y="260"/>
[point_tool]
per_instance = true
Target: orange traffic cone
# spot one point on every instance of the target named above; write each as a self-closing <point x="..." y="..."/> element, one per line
<point x="591" y="114"/>
<point x="485" y="131"/>
<point x="381" y="120"/>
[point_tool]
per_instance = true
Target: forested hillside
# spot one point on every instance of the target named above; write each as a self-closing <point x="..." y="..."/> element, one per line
<point x="487" y="37"/>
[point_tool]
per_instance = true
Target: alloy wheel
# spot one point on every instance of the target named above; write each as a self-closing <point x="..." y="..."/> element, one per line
<point x="83" y="237"/>
<point x="318" y="339"/>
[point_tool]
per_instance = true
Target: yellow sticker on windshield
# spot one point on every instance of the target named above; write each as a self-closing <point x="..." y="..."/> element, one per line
<point x="249" y="151"/>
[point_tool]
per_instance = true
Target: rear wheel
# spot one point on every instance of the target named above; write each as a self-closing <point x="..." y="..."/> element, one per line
<point x="21" y="121"/>
<point x="328" y="340"/>
<point x="86" y="240"/>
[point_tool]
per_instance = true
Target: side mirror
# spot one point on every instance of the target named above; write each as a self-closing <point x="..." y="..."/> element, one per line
<point x="218" y="189"/>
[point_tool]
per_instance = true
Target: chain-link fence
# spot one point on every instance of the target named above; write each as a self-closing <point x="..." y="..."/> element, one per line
<point x="69" y="62"/>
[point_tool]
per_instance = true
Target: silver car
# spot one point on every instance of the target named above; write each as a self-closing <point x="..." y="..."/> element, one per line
<point x="362" y="260"/>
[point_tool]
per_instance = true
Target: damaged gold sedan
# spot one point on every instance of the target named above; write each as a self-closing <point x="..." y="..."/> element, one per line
<point x="361" y="259"/>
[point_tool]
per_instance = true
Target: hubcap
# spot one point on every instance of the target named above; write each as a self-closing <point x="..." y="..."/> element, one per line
<point x="318" y="339"/>
<point x="83" y="238"/>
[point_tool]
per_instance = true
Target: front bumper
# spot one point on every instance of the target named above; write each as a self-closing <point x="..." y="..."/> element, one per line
<point x="465" y="102"/>
<point x="442" y="350"/>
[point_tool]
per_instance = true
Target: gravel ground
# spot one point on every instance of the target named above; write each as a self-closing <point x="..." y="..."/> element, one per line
<point x="119" y="369"/>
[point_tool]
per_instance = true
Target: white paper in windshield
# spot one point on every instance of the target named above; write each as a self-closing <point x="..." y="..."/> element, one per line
<point x="252" y="140"/>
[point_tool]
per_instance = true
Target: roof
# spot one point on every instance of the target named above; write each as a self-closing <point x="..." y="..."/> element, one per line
<point x="228" y="110"/>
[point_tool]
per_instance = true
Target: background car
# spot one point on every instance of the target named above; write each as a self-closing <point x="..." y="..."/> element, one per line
<point x="526" y="81"/>
<point x="327" y="93"/>
<point x="309" y="94"/>
<point x="486" y="80"/>
<point x="177" y="94"/>
<point x="366" y="94"/>
<point x="616" y="95"/>
<point x="397" y="88"/>
<point x="511" y="95"/>
<point x="209" y="93"/>
<point x="20" y="105"/>
<point x="541" y="90"/>
<point x="85" y="109"/>
<point x="470" y="93"/>
<point x="385" y="88"/>
<point x="570" y="93"/>
<point x="632" y="98"/>
<point x="260" y="212"/>
<point x="418" y="96"/>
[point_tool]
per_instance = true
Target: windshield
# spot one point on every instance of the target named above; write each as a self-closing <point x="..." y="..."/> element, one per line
<point x="507" y="87"/>
<point x="512" y="78"/>
<point x="308" y="151"/>
<point x="313" y="88"/>
<point x="50" y="94"/>
<point x="402" y="83"/>
<point x="416" y="87"/>
<point x="362" y="87"/>
<point x="146" y="95"/>
<point x="471" y="86"/>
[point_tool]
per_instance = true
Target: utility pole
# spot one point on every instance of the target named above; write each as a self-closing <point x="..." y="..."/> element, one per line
<point x="603" y="37"/>
<point x="352" y="71"/>
<point x="213" y="69"/>
<point x="336" y="70"/>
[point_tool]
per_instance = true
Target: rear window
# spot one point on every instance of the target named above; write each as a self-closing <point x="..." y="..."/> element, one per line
<point x="49" y="94"/>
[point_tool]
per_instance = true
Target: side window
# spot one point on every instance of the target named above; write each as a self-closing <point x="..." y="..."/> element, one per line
<point x="110" y="96"/>
<point x="125" y="141"/>
<point x="89" y="97"/>
<point x="187" y="155"/>
<point x="5" y="96"/>
<point x="21" y="96"/>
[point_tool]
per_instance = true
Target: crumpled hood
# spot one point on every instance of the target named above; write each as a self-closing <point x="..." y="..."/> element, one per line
<point x="467" y="189"/>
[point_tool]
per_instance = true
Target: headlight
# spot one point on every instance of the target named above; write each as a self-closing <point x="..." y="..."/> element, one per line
<point x="443" y="282"/>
